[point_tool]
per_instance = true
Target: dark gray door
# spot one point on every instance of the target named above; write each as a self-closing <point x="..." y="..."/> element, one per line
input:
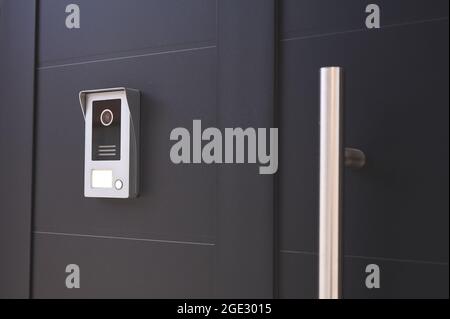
<point x="224" y="230"/>
<point x="17" y="44"/>
<point x="396" y="110"/>
<point x="196" y="230"/>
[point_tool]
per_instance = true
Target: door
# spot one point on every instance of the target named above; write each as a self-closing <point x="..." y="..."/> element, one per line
<point x="196" y="230"/>
<point x="201" y="230"/>
<point x="395" y="209"/>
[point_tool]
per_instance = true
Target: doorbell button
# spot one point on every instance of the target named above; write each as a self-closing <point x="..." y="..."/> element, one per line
<point x="118" y="184"/>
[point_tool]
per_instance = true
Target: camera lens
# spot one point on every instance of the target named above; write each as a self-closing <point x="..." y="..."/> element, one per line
<point x="106" y="117"/>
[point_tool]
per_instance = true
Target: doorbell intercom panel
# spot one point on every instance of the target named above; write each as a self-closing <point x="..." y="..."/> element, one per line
<point x="111" y="154"/>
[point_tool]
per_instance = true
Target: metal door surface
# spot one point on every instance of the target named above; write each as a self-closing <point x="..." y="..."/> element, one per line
<point x="224" y="230"/>
<point x="196" y="230"/>
<point x="395" y="209"/>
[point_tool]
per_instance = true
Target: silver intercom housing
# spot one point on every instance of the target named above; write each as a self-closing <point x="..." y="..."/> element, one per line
<point x="111" y="156"/>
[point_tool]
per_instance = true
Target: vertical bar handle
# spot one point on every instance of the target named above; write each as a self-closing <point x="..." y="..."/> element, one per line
<point x="333" y="158"/>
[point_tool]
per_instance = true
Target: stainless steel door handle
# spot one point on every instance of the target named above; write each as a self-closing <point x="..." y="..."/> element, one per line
<point x="333" y="158"/>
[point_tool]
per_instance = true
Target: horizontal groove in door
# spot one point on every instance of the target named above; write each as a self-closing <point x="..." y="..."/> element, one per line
<point x="399" y="279"/>
<point x="308" y="18"/>
<point x="154" y="240"/>
<point x="123" y="269"/>
<point x="111" y="28"/>
<point x="135" y="55"/>
<point x="285" y="251"/>
<point x="330" y="34"/>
